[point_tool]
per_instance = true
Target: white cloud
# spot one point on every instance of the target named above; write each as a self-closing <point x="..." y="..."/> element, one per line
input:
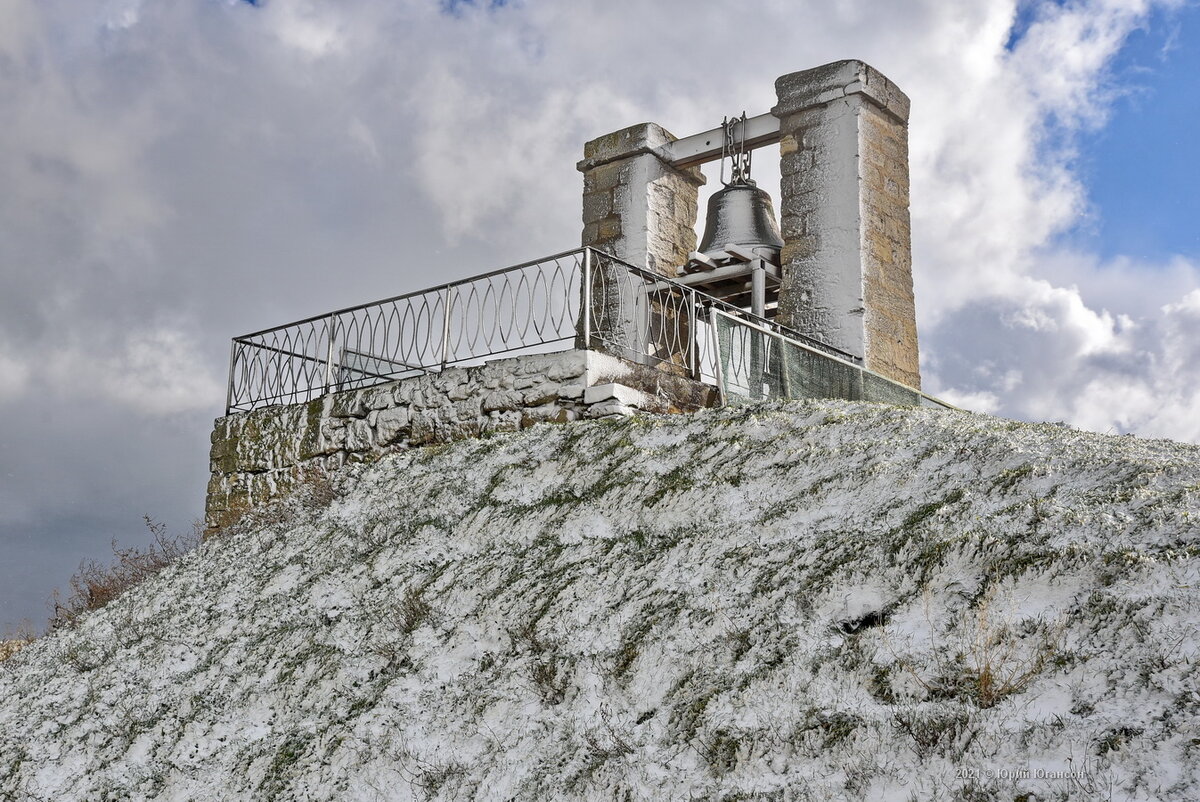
<point x="157" y="371"/>
<point x="14" y="375"/>
<point x="313" y="29"/>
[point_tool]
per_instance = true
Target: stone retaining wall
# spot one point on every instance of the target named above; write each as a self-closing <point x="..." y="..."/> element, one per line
<point x="261" y="455"/>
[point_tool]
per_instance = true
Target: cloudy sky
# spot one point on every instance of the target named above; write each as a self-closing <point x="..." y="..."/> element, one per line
<point x="172" y="174"/>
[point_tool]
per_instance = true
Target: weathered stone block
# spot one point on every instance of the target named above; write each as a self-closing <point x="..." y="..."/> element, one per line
<point x="610" y="409"/>
<point x="461" y="391"/>
<point x="391" y="424"/>
<point x="541" y="394"/>
<point x="348" y="404"/>
<point x="602" y="178"/>
<point x="506" y="421"/>
<point x="374" y="398"/>
<point x="500" y="400"/>
<point x="596" y="206"/>
<point x="333" y="433"/>
<point x="358" y="436"/>
<point x="424" y="428"/>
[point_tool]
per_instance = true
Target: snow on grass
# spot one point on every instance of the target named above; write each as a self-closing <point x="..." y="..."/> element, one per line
<point x="819" y="600"/>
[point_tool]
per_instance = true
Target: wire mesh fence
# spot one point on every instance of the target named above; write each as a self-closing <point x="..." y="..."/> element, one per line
<point x="756" y="363"/>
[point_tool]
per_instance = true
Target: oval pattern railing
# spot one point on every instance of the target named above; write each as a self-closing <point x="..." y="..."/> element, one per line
<point x="580" y="298"/>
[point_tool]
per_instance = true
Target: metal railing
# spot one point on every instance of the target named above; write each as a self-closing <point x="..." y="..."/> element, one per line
<point x="582" y="298"/>
<point x="520" y="308"/>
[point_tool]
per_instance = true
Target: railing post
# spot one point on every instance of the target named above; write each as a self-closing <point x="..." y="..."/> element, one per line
<point x="447" y="299"/>
<point x="693" y="342"/>
<point x="587" y="299"/>
<point x="330" y="334"/>
<point x="718" y="369"/>
<point x="229" y="386"/>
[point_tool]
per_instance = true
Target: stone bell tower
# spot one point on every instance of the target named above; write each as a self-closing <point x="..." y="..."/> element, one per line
<point x="844" y="275"/>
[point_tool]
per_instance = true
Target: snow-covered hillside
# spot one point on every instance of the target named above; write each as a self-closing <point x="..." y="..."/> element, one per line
<point x="821" y="600"/>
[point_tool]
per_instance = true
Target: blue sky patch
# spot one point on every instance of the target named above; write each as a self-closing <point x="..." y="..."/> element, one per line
<point x="1141" y="167"/>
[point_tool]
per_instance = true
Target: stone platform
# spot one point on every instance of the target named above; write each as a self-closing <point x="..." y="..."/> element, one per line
<point x="262" y="455"/>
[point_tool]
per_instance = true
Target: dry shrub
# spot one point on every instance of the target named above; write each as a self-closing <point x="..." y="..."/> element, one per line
<point x="991" y="660"/>
<point x="14" y="640"/>
<point x="96" y="584"/>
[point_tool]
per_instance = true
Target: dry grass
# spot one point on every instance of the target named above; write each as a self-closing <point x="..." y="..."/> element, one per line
<point x="994" y="661"/>
<point x="96" y="584"/>
<point x="14" y="640"/>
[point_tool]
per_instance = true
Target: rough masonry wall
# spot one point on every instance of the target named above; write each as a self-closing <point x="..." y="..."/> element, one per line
<point x="890" y="321"/>
<point x="847" y="265"/>
<point x="262" y="455"/>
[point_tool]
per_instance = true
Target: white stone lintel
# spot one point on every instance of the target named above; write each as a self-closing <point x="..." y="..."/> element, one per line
<point x="624" y="395"/>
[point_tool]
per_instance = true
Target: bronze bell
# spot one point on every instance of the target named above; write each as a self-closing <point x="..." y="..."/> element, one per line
<point x="741" y="214"/>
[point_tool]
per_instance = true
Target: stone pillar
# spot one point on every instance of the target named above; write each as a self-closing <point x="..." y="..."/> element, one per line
<point x="847" y="254"/>
<point x="636" y="206"/>
<point x="642" y="210"/>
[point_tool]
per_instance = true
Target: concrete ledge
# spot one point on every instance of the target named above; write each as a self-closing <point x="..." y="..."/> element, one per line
<point x="619" y="392"/>
<point x="636" y="140"/>
<point x="799" y="91"/>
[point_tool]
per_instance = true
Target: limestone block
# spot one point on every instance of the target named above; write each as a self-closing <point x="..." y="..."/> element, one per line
<point x="460" y="430"/>
<point x="461" y="391"/>
<point x="570" y="391"/>
<point x="358" y="436"/>
<point x="502" y="421"/>
<point x="348" y="404"/>
<point x="500" y="400"/>
<point x="597" y="206"/>
<point x="631" y="141"/>
<point x="543" y="393"/>
<point x="467" y="410"/>
<point x="603" y="177"/>
<point x="403" y="391"/>
<point x="333" y="433"/>
<point x="604" y="393"/>
<point x="551" y="413"/>
<point x="390" y="424"/>
<point x="381" y="397"/>
<point x="610" y="409"/>
<point x="223" y="456"/>
<point x="424" y="427"/>
<point x="821" y="85"/>
<point x="309" y="443"/>
<point x="222" y="428"/>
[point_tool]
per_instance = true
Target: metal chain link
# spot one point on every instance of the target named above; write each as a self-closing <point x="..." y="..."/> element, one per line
<point x="733" y="147"/>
